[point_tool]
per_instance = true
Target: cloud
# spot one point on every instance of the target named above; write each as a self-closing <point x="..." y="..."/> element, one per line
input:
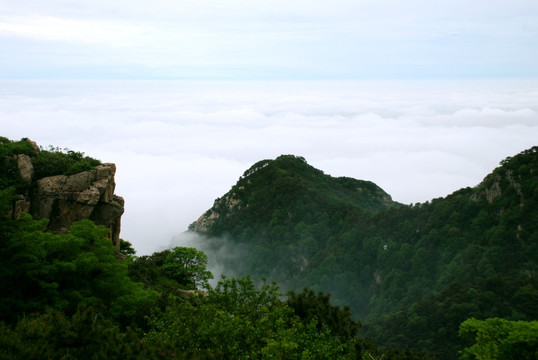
<point x="178" y="145"/>
<point x="80" y="31"/>
<point x="289" y="39"/>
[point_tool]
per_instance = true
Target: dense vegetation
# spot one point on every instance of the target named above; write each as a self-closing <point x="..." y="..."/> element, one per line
<point x="56" y="161"/>
<point x="287" y="212"/>
<point x="411" y="273"/>
<point x="454" y="276"/>
<point x="500" y="339"/>
<point x="46" y="162"/>
<point x="73" y="296"/>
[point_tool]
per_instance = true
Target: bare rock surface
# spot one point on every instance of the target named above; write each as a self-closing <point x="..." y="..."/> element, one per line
<point x="87" y="195"/>
<point x="26" y="169"/>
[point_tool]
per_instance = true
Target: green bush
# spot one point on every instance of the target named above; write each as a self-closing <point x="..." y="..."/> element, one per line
<point x="56" y="161"/>
<point x="23" y="146"/>
<point x="9" y="171"/>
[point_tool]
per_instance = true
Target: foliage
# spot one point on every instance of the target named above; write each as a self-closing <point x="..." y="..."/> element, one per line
<point x="87" y="334"/>
<point x="9" y="171"/>
<point x="56" y="161"/>
<point x="187" y="266"/>
<point x="41" y="270"/>
<point x="126" y="248"/>
<point x="238" y="321"/>
<point x="497" y="339"/>
<point x="9" y="147"/>
<point x="310" y="306"/>
<point x="7" y="196"/>
<point x="147" y="269"/>
<point x="432" y="323"/>
<point x="411" y="273"/>
<point x="169" y="271"/>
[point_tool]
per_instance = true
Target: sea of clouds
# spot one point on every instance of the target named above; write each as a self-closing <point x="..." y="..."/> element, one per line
<point x="178" y="145"/>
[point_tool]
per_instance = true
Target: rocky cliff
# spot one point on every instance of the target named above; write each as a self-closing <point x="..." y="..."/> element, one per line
<point x="65" y="199"/>
<point x="87" y="195"/>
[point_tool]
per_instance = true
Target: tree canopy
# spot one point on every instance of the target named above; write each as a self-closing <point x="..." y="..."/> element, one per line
<point x="391" y="262"/>
<point x="456" y="275"/>
<point x="496" y="339"/>
<point x="187" y="266"/>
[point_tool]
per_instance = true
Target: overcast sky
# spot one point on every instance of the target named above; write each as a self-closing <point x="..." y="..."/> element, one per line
<point x="282" y="39"/>
<point x="422" y="97"/>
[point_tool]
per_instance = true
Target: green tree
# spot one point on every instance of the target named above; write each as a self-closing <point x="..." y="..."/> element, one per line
<point x="41" y="270"/>
<point x="56" y="161"/>
<point x="310" y="306"/>
<point x="500" y="339"/>
<point x="126" y="248"/>
<point x="188" y="267"/>
<point x="87" y="334"/>
<point x="147" y="269"/>
<point x="239" y="321"/>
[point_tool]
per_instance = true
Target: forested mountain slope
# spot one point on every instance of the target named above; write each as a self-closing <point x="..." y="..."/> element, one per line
<point x="456" y="254"/>
<point x="287" y="211"/>
<point x="417" y="276"/>
<point x="71" y="294"/>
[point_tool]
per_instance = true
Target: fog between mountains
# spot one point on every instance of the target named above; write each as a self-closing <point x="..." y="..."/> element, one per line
<point x="179" y="145"/>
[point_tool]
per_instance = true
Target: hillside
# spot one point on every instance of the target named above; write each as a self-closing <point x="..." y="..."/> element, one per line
<point x="271" y="187"/>
<point x="286" y="210"/>
<point x="414" y="273"/>
<point x="69" y="293"/>
<point x="453" y="274"/>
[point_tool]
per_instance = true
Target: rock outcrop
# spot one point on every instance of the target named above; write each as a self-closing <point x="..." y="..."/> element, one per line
<point x="26" y="169"/>
<point x="87" y="195"/>
<point x="204" y="222"/>
<point x="62" y="199"/>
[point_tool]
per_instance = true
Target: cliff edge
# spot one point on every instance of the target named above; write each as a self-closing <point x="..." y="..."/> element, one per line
<point x="63" y="199"/>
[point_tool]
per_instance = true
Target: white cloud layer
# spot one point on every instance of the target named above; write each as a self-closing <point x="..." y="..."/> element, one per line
<point x="281" y="39"/>
<point x="179" y="145"/>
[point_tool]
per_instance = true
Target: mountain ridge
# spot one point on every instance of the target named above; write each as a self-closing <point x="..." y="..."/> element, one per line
<point x="291" y="175"/>
<point x="300" y="233"/>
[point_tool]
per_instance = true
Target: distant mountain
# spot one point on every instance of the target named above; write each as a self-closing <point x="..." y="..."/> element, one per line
<point x="412" y="272"/>
<point x="286" y="210"/>
<point x="287" y="183"/>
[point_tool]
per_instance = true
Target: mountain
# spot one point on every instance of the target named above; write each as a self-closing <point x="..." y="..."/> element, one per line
<point x="417" y="276"/>
<point x="412" y="273"/>
<point x="67" y="293"/>
<point x="287" y="183"/>
<point x="286" y="210"/>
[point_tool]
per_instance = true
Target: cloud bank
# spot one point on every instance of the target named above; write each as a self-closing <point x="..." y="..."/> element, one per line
<point x="179" y="145"/>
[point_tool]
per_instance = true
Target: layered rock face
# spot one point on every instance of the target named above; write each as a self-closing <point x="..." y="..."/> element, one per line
<point x="66" y="199"/>
<point x="87" y="195"/>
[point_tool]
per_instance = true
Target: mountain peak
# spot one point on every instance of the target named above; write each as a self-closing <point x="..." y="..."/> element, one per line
<point x="288" y="185"/>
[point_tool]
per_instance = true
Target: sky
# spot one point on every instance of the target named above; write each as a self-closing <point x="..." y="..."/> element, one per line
<point x="420" y="97"/>
<point x="281" y="39"/>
